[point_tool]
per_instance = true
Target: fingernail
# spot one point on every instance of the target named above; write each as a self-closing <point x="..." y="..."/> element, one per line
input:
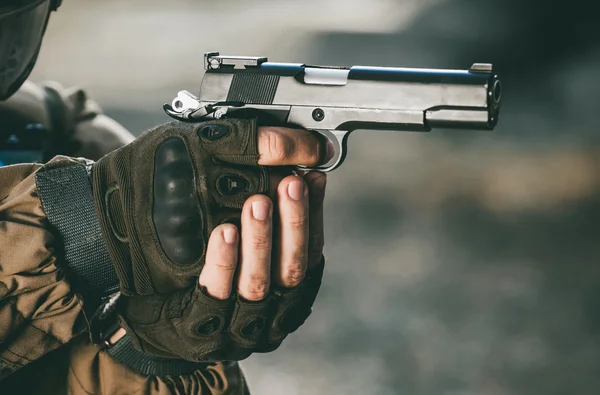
<point x="296" y="190"/>
<point x="229" y="234"/>
<point x="260" y="210"/>
<point x="330" y="150"/>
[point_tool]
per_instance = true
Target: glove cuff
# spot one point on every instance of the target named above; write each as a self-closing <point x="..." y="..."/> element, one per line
<point x="105" y="322"/>
<point x="65" y="192"/>
<point x="125" y="353"/>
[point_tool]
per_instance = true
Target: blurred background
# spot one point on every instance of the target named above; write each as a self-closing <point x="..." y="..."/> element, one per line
<point x="460" y="262"/>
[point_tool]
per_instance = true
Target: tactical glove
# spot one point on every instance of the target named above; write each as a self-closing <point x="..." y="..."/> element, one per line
<point x="158" y="199"/>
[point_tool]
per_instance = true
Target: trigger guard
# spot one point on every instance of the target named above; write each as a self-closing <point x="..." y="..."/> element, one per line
<point x="339" y="139"/>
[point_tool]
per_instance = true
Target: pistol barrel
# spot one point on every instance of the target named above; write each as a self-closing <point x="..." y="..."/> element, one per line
<point x="358" y="97"/>
<point x="338" y="100"/>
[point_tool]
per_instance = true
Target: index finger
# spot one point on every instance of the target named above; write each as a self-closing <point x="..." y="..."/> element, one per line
<point x="279" y="146"/>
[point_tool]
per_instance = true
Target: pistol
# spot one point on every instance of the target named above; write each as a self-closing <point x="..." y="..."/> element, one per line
<point x="336" y="101"/>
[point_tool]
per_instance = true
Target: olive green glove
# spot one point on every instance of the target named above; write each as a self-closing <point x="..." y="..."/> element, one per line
<point x="158" y="199"/>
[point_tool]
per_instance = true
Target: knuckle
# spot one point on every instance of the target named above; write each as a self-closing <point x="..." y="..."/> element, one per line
<point x="260" y="242"/>
<point x="298" y="223"/>
<point x="294" y="275"/>
<point x="280" y="147"/>
<point x="257" y="288"/>
<point x="225" y="266"/>
<point x="220" y="293"/>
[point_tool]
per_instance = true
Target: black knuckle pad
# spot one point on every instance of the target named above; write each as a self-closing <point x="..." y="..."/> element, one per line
<point x="250" y="321"/>
<point x="178" y="220"/>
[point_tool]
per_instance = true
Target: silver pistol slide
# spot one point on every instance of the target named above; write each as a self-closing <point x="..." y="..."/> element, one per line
<point x="335" y="101"/>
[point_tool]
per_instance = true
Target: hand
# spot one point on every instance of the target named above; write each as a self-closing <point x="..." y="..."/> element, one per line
<point x="288" y="253"/>
<point x="160" y="197"/>
<point x="292" y="251"/>
<point x="271" y="260"/>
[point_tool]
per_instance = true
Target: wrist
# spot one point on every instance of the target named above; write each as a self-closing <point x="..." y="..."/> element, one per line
<point x="65" y="193"/>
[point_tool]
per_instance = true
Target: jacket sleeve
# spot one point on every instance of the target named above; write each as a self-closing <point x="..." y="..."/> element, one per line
<point x="93" y="371"/>
<point x="38" y="311"/>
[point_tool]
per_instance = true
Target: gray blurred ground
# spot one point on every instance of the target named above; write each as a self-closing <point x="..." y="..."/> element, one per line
<point x="460" y="263"/>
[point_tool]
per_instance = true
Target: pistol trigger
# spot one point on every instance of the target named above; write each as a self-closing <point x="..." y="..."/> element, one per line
<point x="201" y="113"/>
<point x="339" y="138"/>
<point x="218" y="109"/>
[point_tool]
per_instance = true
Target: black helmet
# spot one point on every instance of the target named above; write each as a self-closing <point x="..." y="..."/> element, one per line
<point x="22" y="26"/>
